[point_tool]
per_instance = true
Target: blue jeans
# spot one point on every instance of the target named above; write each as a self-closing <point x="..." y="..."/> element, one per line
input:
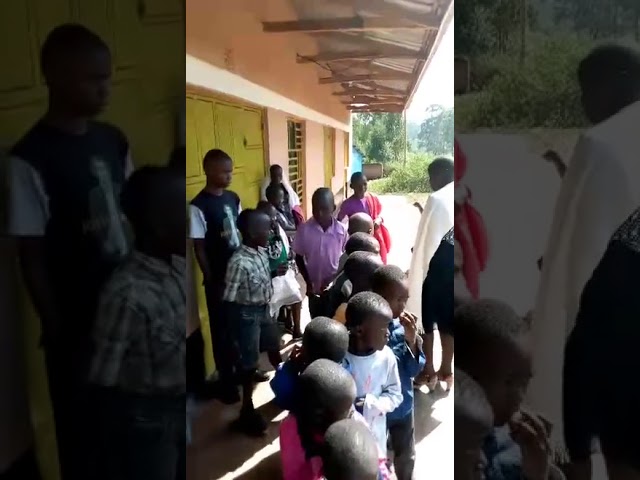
<point x="253" y="331"/>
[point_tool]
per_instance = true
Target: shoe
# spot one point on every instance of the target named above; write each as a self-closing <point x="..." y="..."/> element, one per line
<point x="261" y="376"/>
<point x="251" y="424"/>
<point x="229" y="395"/>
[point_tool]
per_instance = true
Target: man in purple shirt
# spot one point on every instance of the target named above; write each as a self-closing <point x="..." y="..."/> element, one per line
<point x="356" y="203"/>
<point x="318" y="245"/>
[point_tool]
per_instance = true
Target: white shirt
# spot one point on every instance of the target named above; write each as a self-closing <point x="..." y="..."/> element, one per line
<point x="378" y="381"/>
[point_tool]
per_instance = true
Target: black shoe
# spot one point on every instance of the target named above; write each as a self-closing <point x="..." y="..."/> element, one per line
<point x="261" y="376"/>
<point x="229" y="395"/>
<point x="251" y="424"/>
<point x="206" y="392"/>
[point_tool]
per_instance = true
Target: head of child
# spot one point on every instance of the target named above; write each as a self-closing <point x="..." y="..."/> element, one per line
<point x="275" y="195"/>
<point x="218" y="167"/>
<point x="76" y="64"/>
<point x="473" y="419"/>
<point x="269" y="210"/>
<point x="349" y="452"/>
<point x="276" y="174"/>
<point x="362" y="242"/>
<point x="391" y="283"/>
<point x="324" y="338"/>
<point x="440" y="173"/>
<point x="360" y="222"/>
<point x="322" y="207"/>
<point x="151" y="201"/>
<point x="359" y="269"/>
<point x="255" y="227"/>
<point x="493" y="346"/>
<point x="325" y="395"/>
<point x="368" y="316"/>
<point x="358" y="184"/>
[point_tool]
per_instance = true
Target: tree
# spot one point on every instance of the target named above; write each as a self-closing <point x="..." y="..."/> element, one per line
<point x="436" y="131"/>
<point x="380" y="136"/>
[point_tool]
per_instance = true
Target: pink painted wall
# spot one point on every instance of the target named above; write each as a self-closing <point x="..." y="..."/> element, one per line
<point x="228" y="34"/>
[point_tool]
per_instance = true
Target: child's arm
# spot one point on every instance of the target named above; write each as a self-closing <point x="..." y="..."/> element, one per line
<point x="391" y="396"/>
<point x="409" y="352"/>
<point x="235" y="277"/>
<point x="283" y="385"/>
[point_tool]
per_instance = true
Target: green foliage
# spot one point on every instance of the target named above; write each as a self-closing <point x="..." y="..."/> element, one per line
<point x="379" y="136"/>
<point x="437" y="130"/>
<point x="543" y="92"/>
<point x="404" y="178"/>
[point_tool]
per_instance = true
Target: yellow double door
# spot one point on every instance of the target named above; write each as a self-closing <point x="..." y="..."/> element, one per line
<point x="238" y="130"/>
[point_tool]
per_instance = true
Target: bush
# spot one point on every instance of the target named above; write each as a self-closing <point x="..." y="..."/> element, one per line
<point x="403" y="178"/>
<point x="542" y="93"/>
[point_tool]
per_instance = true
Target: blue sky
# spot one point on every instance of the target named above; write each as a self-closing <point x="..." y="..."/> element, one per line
<point x="436" y="87"/>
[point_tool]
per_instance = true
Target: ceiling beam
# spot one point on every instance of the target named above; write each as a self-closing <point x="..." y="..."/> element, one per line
<point x="337" y="25"/>
<point x="371" y="100"/>
<point x="424" y="15"/>
<point x="404" y="77"/>
<point x="360" y="55"/>
<point x="373" y="88"/>
<point x="375" y="93"/>
<point x="376" y="110"/>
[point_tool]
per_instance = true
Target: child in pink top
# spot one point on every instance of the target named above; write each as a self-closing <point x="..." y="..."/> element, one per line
<point x="325" y="395"/>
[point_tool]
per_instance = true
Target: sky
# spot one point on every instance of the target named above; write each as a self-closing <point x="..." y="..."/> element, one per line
<point x="436" y="87"/>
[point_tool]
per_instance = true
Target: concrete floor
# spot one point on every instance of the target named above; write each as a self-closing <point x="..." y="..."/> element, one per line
<point x="218" y="454"/>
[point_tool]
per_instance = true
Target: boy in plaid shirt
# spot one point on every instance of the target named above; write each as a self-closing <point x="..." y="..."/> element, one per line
<point x="248" y="291"/>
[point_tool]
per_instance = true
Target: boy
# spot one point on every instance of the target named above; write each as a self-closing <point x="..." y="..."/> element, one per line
<point x="138" y="366"/>
<point x="318" y="245"/>
<point x="391" y="283"/>
<point x="213" y="214"/>
<point x="361" y="222"/>
<point x="473" y="420"/>
<point x="494" y="348"/>
<point x="247" y="293"/>
<point x="358" y="270"/>
<point x="350" y="452"/>
<point x="371" y="362"/>
<point x="358" y="242"/>
<point x="275" y="196"/>
<point x="323" y="338"/>
<point x="65" y="175"/>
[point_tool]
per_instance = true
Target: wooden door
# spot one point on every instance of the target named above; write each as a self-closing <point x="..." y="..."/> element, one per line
<point x="329" y="156"/>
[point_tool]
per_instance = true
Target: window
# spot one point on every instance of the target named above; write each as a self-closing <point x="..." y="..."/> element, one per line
<point x="296" y="156"/>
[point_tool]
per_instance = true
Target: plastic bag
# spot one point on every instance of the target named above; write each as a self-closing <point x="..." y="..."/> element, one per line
<point x="286" y="291"/>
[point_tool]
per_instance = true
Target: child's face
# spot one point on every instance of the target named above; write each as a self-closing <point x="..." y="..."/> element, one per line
<point x="219" y="173"/>
<point x="359" y="186"/>
<point x="85" y="81"/>
<point x="322" y="211"/>
<point x="506" y="378"/>
<point x="261" y="231"/>
<point x="374" y="332"/>
<point x="397" y="295"/>
<point x="277" y="198"/>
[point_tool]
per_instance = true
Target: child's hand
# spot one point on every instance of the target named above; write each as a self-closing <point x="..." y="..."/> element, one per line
<point x="530" y="433"/>
<point x="410" y="323"/>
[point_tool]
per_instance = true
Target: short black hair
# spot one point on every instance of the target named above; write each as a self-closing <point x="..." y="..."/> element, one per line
<point x="178" y="158"/>
<point x="350" y="452"/>
<point x="142" y="193"/>
<point x="263" y="206"/>
<point x="215" y="155"/>
<point x="357" y="176"/>
<point x="386" y="276"/>
<point x="441" y="165"/>
<point x="246" y="220"/>
<point x="325" y="338"/>
<point x="360" y="222"/>
<point x="275" y="167"/>
<point x="65" y="39"/>
<point x="481" y="326"/>
<point x="322" y="193"/>
<point x="361" y="242"/>
<point x="471" y="407"/>
<point x="364" y="306"/>
<point x="272" y="189"/>
<point x="360" y="265"/>
<point x="607" y="61"/>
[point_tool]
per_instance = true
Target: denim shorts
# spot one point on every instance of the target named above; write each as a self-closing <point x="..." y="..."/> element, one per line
<point x="253" y="331"/>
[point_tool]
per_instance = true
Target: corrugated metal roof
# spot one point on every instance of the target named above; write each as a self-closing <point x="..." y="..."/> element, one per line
<point x="388" y="56"/>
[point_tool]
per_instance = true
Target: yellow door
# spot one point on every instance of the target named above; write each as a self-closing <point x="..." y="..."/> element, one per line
<point x="329" y="155"/>
<point x="148" y="69"/>
<point x="236" y="129"/>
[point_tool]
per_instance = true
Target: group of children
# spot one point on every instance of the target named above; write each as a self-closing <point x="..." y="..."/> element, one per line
<point x="348" y="387"/>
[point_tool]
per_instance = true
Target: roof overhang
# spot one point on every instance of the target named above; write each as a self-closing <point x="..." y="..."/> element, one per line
<point x="373" y="52"/>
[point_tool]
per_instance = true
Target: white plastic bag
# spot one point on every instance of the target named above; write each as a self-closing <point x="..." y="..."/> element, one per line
<point x="286" y="291"/>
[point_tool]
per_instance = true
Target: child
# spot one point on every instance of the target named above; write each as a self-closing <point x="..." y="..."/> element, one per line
<point x="358" y="269"/>
<point x="494" y="348"/>
<point x="323" y="338"/>
<point x="361" y="222"/>
<point x="275" y="196"/>
<point x="391" y="283"/>
<point x="358" y="242"/>
<point x="279" y="252"/>
<point x="213" y="214"/>
<point x="247" y="294"/>
<point x="363" y="202"/>
<point x="473" y="420"/>
<point x="350" y="452"/>
<point x="371" y="362"/>
<point x="318" y="245"/>
<point x="325" y="395"/>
